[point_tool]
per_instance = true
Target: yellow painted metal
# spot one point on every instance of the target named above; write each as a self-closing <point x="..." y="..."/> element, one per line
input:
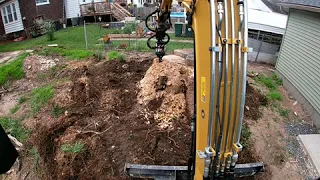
<point x="235" y="148"/>
<point x="230" y="41"/>
<point x="245" y="49"/>
<point x="201" y="27"/>
<point x="187" y="6"/>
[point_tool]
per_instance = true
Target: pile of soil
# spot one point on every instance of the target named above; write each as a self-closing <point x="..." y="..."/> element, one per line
<point x="253" y="102"/>
<point x="105" y="116"/>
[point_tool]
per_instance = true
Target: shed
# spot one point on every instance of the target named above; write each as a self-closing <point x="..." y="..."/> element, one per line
<point x="299" y="59"/>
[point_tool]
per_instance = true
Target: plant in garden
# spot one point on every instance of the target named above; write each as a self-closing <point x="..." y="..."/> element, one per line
<point x="50" y="28"/>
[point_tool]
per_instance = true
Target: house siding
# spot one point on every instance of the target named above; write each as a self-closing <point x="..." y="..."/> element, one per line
<point x="52" y="11"/>
<point x="14" y="26"/>
<point x="299" y="58"/>
<point x="72" y="8"/>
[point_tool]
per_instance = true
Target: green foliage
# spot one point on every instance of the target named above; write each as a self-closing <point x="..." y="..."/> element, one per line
<point x="73" y="149"/>
<point x="129" y="28"/>
<point x="284" y="112"/>
<point x="245" y="135"/>
<point x="50" y="28"/>
<point x="36" y="158"/>
<point x="41" y="77"/>
<point x="99" y="54"/>
<point x="40" y="97"/>
<point x="274" y="95"/>
<point x="69" y="53"/>
<point x="13" y="70"/>
<point x="15" y="128"/>
<point x="267" y="81"/>
<point x="76" y="54"/>
<point x="277" y="80"/>
<point x="57" y="111"/>
<point x="115" y="55"/>
<point x="271" y="82"/>
<point x="73" y="38"/>
<point x="14" y="109"/>
<point x="22" y="99"/>
<point x="115" y="31"/>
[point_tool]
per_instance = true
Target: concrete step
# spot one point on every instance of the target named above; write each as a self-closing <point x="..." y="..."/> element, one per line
<point x="311" y="145"/>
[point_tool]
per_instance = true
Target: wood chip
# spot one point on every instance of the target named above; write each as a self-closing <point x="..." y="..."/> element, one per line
<point x="247" y="107"/>
<point x="295" y="113"/>
<point x="295" y="103"/>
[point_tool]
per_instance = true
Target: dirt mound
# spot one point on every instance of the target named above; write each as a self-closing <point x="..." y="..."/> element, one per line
<point x="104" y="115"/>
<point x="253" y="102"/>
<point x="166" y="82"/>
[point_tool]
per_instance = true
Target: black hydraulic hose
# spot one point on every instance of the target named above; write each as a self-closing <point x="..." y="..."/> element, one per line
<point x="218" y="145"/>
<point x="192" y="156"/>
<point x="162" y="42"/>
<point x="147" y="18"/>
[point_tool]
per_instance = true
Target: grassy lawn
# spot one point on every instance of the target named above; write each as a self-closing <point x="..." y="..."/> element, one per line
<point x="13" y="70"/>
<point x="73" y="38"/>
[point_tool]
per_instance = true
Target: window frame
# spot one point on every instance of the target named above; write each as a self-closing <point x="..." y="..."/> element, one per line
<point x="43" y="3"/>
<point x="5" y="14"/>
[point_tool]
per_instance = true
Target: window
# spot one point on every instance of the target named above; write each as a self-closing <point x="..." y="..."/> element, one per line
<point x="42" y="2"/>
<point x="14" y="11"/>
<point x="9" y="13"/>
<point x="4" y="15"/>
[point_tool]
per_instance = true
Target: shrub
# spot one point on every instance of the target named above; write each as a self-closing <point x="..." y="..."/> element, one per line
<point x="115" y="55"/>
<point x="50" y="28"/>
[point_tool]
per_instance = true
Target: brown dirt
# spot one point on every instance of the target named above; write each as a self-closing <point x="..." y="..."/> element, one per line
<point x="253" y="102"/>
<point x="105" y="115"/>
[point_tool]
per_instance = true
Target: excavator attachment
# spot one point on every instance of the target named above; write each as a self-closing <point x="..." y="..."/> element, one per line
<point x="220" y="70"/>
<point x="181" y="172"/>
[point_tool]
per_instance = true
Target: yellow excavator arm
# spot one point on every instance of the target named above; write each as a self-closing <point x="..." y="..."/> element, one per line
<point x="221" y="47"/>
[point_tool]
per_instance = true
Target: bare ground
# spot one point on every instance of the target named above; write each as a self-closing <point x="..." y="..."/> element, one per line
<point x="129" y="112"/>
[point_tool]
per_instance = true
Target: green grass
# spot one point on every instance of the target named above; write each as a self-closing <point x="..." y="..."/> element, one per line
<point x="277" y="80"/>
<point x="115" y="55"/>
<point x="40" y="97"/>
<point x="267" y="81"/>
<point x="57" y="111"/>
<point x="13" y="70"/>
<point x="14" y="109"/>
<point x="36" y="158"/>
<point x="172" y="36"/>
<point x="70" y="38"/>
<point x="15" y="128"/>
<point x="284" y="112"/>
<point x="245" y="135"/>
<point x="271" y="82"/>
<point x="76" y="148"/>
<point x="68" y="53"/>
<point x="22" y="99"/>
<point x="274" y="95"/>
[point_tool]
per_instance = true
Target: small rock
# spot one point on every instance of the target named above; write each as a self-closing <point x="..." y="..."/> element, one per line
<point x="29" y="67"/>
<point x="29" y="50"/>
<point x="125" y="66"/>
<point x="247" y="107"/>
<point x="113" y="146"/>
<point x="291" y="97"/>
<point x="295" y="113"/>
<point x="66" y="113"/>
<point x="147" y="122"/>
<point x="126" y="90"/>
<point x="295" y="103"/>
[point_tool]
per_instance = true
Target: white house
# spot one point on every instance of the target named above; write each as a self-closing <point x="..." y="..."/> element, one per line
<point x="11" y="16"/>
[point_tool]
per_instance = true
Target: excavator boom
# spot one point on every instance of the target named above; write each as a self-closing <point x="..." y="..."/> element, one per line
<point x="221" y="49"/>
